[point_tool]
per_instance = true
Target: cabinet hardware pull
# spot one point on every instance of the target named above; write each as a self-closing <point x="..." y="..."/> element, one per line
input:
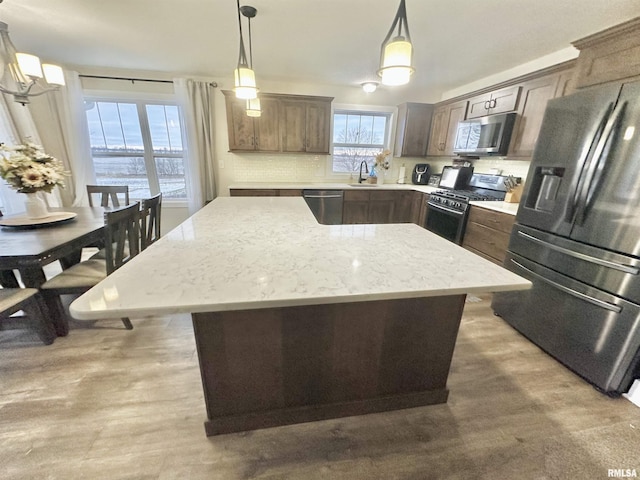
<point x="487" y="104"/>
<point x="493" y="103"/>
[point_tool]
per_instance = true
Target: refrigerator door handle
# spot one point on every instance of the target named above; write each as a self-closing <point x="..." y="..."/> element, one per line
<point x="586" y="160"/>
<point x="582" y="296"/>
<point x="581" y="256"/>
<point x="595" y="175"/>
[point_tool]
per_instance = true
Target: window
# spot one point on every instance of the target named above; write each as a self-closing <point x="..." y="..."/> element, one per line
<point x="139" y="144"/>
<point x="358" y="136"/>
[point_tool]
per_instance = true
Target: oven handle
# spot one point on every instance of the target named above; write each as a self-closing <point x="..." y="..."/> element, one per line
<point x="450" y="210"/>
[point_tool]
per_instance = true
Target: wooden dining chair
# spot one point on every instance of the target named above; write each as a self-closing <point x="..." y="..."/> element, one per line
<point x="150" y="220"/>
<point x="108" y="195"/>
<point x="28" y="300"/>
<point x="122" y="243"/>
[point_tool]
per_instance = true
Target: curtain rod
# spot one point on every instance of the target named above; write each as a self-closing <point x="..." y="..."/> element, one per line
<point x="133" y="80"/>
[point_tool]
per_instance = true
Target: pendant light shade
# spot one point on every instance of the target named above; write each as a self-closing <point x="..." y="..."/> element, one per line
<point x="396" y="53"/>
<point x="244" y="76"/>
<point x="253" y="107"/>
<point x="245" y="82"/>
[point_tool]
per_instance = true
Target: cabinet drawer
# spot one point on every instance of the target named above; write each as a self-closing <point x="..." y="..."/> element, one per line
<point x="356" y="196"/>
<point x="486" y="240"/>
<point x="502" y="222"/>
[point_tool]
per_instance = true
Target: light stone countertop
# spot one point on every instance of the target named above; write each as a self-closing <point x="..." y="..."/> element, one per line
<point x="257" y="252"/>
<point x="503" y="207"/>
<point x="337" y="186"/>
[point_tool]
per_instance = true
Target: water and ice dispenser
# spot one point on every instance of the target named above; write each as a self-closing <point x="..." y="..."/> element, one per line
<point x="544" y="188"/>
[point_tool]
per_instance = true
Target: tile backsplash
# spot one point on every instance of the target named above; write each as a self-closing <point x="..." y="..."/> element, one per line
<point x="256" y="168"/>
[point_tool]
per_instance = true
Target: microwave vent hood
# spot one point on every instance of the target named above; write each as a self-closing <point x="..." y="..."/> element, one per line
<point x="484" y="136"/>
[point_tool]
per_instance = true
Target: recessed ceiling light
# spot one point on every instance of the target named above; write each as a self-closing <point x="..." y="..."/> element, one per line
<point x="369" y="87"/>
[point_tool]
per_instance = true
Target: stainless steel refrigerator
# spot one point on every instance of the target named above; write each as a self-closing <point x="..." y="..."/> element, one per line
<point x="577" y="237"/>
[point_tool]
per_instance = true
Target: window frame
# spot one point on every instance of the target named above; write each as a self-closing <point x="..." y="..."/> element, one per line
<point x="389" y="112"/>
<point x="141" y="101"/>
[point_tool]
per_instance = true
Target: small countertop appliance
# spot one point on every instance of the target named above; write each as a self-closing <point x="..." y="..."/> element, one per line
<point x="420" y="175"/>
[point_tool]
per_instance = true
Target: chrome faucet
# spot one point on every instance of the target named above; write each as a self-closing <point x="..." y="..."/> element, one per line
<point x="366" y="170"/>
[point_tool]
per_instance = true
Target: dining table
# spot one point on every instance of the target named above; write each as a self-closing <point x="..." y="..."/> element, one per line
<point x="27" y="246"/>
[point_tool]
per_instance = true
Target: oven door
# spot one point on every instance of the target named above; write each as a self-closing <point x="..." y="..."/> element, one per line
<point x="446" y="222"/>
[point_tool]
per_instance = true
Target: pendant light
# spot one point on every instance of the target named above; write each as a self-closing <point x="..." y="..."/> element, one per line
<point x="396" y="53"/>
<point x="244" y="76"/>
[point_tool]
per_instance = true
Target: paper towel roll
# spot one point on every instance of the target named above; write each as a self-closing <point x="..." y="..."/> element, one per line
<point x="401" y="175"/>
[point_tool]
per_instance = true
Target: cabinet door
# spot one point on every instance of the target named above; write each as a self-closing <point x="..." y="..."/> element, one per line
<point x="253" y="192"/>
<point x="355" y="212"/>
<point x="318" y="121"/>
<point x="294" y="122"/>
<point x="438" y="134"/>
<point x="499" y="101"/>
<point x="240" y="126"/>
<point x="412" y="134"/>
<point x="402" y="212"/>
<point x="479" y="106"/>
<point x="267" y="126"/>
<point x="504" y="100"/>
<point x="457" y="112"/>
<point x="533" y="103"/>
<point x="416" y="204"/>
<point x="382" y="206"/>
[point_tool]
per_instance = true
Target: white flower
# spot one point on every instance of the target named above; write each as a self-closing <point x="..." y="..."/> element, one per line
<point x="28" y="168"/>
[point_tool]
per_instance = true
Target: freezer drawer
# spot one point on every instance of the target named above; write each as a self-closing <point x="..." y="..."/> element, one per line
<point x="612" y="272"/>
<point x="595" y="334"/>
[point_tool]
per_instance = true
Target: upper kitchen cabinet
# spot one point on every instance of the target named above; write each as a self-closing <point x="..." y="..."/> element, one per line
<point x="412" y="131"/>
<point x="609" y="56"/>
<point x="443" y="127"/>
<point x="499" y="101"/>
<point x="289" y="123"/>
<point x="251" y="134"/>
<point x="306" y="124"/>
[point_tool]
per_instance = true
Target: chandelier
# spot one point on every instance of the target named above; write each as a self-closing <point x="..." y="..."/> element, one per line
<point x="396" y="53"/>
<point x="21" y="74"/>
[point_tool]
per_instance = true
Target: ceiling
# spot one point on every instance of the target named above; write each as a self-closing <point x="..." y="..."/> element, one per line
<point x="334" y="42"/>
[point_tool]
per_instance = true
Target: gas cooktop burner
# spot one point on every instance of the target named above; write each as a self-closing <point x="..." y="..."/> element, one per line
<point x="468" y="195"/>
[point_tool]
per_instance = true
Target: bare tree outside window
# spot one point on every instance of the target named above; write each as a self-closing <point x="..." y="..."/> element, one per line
<point x="357" y="137"/>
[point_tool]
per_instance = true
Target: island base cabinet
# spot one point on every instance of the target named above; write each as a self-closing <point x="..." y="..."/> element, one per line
<point x="269" y="367"/>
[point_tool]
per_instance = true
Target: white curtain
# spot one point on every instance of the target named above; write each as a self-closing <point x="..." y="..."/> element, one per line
<point x="68" y="112"/>
<point x="196" y="101"/>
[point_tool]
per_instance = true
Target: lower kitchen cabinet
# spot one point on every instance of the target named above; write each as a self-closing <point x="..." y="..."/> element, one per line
<point x="419" y="208"/>
<point x="487" y="233"/>
<point x="380" y="206"/>
<point x="264" y="192"/>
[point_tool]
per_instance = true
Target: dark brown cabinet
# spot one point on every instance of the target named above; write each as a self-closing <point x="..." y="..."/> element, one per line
<point x="264" y="192"/>
<point x="419" y="208"/>
<point x="289" y="123"/>
<point x="499" y="101"/>
<point x="261" y="134"/>
<point x="305" y="125"/>
<point x="377" y="206"/>
<point x="412" y="129"/>
<point x="487" y="233"/>
<point x="443" y="127"/>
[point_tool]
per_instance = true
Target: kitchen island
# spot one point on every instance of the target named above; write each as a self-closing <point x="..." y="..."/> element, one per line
<point x="296" y="321"/>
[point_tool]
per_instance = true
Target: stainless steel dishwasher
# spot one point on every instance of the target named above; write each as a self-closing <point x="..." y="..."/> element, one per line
<point x="326" y="205"/>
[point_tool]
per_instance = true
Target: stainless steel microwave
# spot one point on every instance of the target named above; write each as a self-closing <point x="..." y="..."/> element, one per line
<point x="488" y="135"/>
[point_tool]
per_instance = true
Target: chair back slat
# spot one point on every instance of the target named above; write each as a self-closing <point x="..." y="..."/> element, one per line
<point x="108" y="195"/>
<point x="122" y="236"/>
<point x="150" y="220"/>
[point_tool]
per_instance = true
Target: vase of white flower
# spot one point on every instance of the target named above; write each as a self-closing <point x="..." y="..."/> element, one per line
<point x="28" y="169"/>
<point x="36" y="206"/>
<point x="382" y="165"/>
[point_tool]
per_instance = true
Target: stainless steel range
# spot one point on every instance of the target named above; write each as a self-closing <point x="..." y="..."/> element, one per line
<point x="447" y="210"/>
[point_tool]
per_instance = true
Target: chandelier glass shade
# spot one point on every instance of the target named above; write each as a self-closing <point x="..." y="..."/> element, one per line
<point x="396" y="53"/>
<point x="21" y="74"/>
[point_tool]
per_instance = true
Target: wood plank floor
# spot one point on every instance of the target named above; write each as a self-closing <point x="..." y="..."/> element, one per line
<point x="107" y="403"/>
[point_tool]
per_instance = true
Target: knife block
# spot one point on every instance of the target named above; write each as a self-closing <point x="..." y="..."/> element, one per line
<point x="514" y="195"/>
